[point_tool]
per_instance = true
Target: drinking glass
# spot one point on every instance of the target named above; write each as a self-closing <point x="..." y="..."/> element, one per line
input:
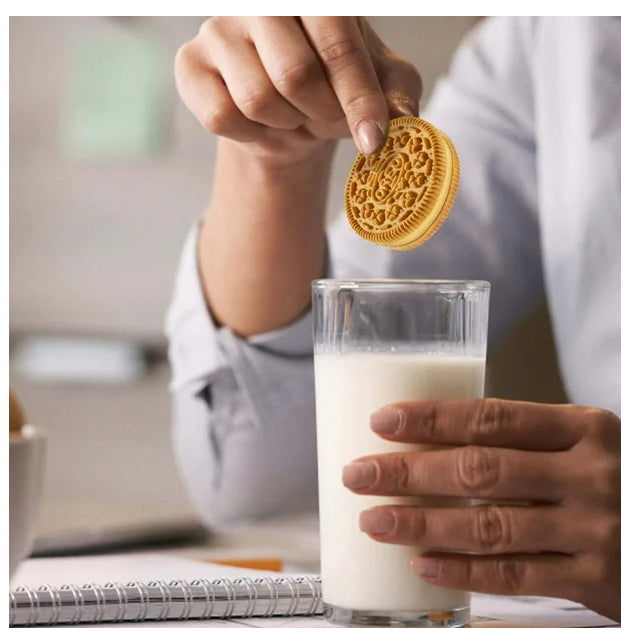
<point x="378" y="342"/>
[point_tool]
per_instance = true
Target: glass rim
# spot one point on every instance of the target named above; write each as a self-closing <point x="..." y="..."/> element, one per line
<point x="393" y="284"/>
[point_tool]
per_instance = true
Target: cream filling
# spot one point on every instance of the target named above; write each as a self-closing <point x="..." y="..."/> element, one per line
<point x="425" y="225"/>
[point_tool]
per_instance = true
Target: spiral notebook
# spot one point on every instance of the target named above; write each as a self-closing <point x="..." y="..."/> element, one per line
<point x="129" y="589"/>
<point x="200" y="591"/>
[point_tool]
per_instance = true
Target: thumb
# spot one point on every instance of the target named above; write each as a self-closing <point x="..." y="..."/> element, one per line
<point x="400" y="81"/>
<point x="402" y="87"/>
<point x="400" y="104"/>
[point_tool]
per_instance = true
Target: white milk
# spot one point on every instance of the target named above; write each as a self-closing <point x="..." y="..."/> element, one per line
<point x="357" y="572"/>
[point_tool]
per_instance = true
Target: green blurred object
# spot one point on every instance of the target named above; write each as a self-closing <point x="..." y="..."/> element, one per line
<point x="115" y="105"/>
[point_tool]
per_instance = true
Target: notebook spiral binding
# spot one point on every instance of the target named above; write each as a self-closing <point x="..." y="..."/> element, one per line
<point x="263" y="596"/>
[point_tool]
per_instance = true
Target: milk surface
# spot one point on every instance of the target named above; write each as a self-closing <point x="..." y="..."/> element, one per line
<point x="357" y="572"/>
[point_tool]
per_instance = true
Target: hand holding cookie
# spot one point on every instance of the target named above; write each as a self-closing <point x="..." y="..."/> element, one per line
<point x="286" y="84"/>
<point x="279" y="92"/>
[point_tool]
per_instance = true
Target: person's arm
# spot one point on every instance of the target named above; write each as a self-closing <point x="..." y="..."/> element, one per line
<point x="279" y="91"/>
<point x="262" y="241"/>
<point x="243" y="410"/>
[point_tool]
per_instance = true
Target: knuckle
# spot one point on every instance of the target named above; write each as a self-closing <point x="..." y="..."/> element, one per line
<point x="510" y="575"/>
<point x="605" y="482"/>
<point x="611" y="478"/>
<point x="411" y="524"/>
<point x="604" y="424"/>
<point x="420" y="525"/>
<point x="256" y="103"/>
<point x="356" y="103"/>
<point x="214" y="118"/>
<point x="337" y="54"/>
<point x="489" y="417"/>
<point x="294" y="77"/>
<point x="184" y="56"/>
<point x="477" y="469"/>
<point x="601" y="455"/>
<point x="610" y="531"/>
<point x="400" y="472"/>
<point x="599" y="570"/>
<point x="426" y="422"/>
<point x="211" y="27"/>
<point x="492" y="530"/>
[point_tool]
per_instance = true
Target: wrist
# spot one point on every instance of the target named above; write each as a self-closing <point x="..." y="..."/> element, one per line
<point x="281" y="160"/>
<point x="274" y="215"/>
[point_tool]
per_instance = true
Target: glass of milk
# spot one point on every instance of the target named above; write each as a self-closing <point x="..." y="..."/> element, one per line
<point x="379" y="342"/>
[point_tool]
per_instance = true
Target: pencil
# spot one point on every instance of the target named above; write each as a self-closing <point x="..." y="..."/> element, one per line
<point x="270" y="564"/>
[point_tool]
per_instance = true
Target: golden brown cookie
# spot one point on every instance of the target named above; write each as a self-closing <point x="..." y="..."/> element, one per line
<point x="399" y="196"/>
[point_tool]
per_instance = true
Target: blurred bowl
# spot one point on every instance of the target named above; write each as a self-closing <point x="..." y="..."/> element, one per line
<point x="27" y="452"/>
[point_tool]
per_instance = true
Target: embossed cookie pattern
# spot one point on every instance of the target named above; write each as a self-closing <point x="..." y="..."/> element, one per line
<point x="390" y="193"/>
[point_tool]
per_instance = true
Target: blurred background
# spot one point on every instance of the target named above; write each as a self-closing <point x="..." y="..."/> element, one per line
<point x="107" y="173"/>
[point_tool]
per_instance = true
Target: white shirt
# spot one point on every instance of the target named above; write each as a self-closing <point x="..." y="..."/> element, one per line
<point x="533" y="108"/>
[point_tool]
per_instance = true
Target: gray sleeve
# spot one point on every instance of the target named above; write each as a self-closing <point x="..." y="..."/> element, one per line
<point x="244" y="415"/>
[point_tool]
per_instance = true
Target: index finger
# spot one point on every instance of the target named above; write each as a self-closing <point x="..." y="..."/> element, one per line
<point x="482" y="421"/>
<point x="340" y="46"/>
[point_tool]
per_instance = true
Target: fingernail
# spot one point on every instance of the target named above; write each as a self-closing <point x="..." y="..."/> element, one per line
<point x="376" y="521"/>
<point x="387" y="420"/>
<point x="358" y="475"/>
<point x="426" y="566"/>
<point x="370" y="137"/>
